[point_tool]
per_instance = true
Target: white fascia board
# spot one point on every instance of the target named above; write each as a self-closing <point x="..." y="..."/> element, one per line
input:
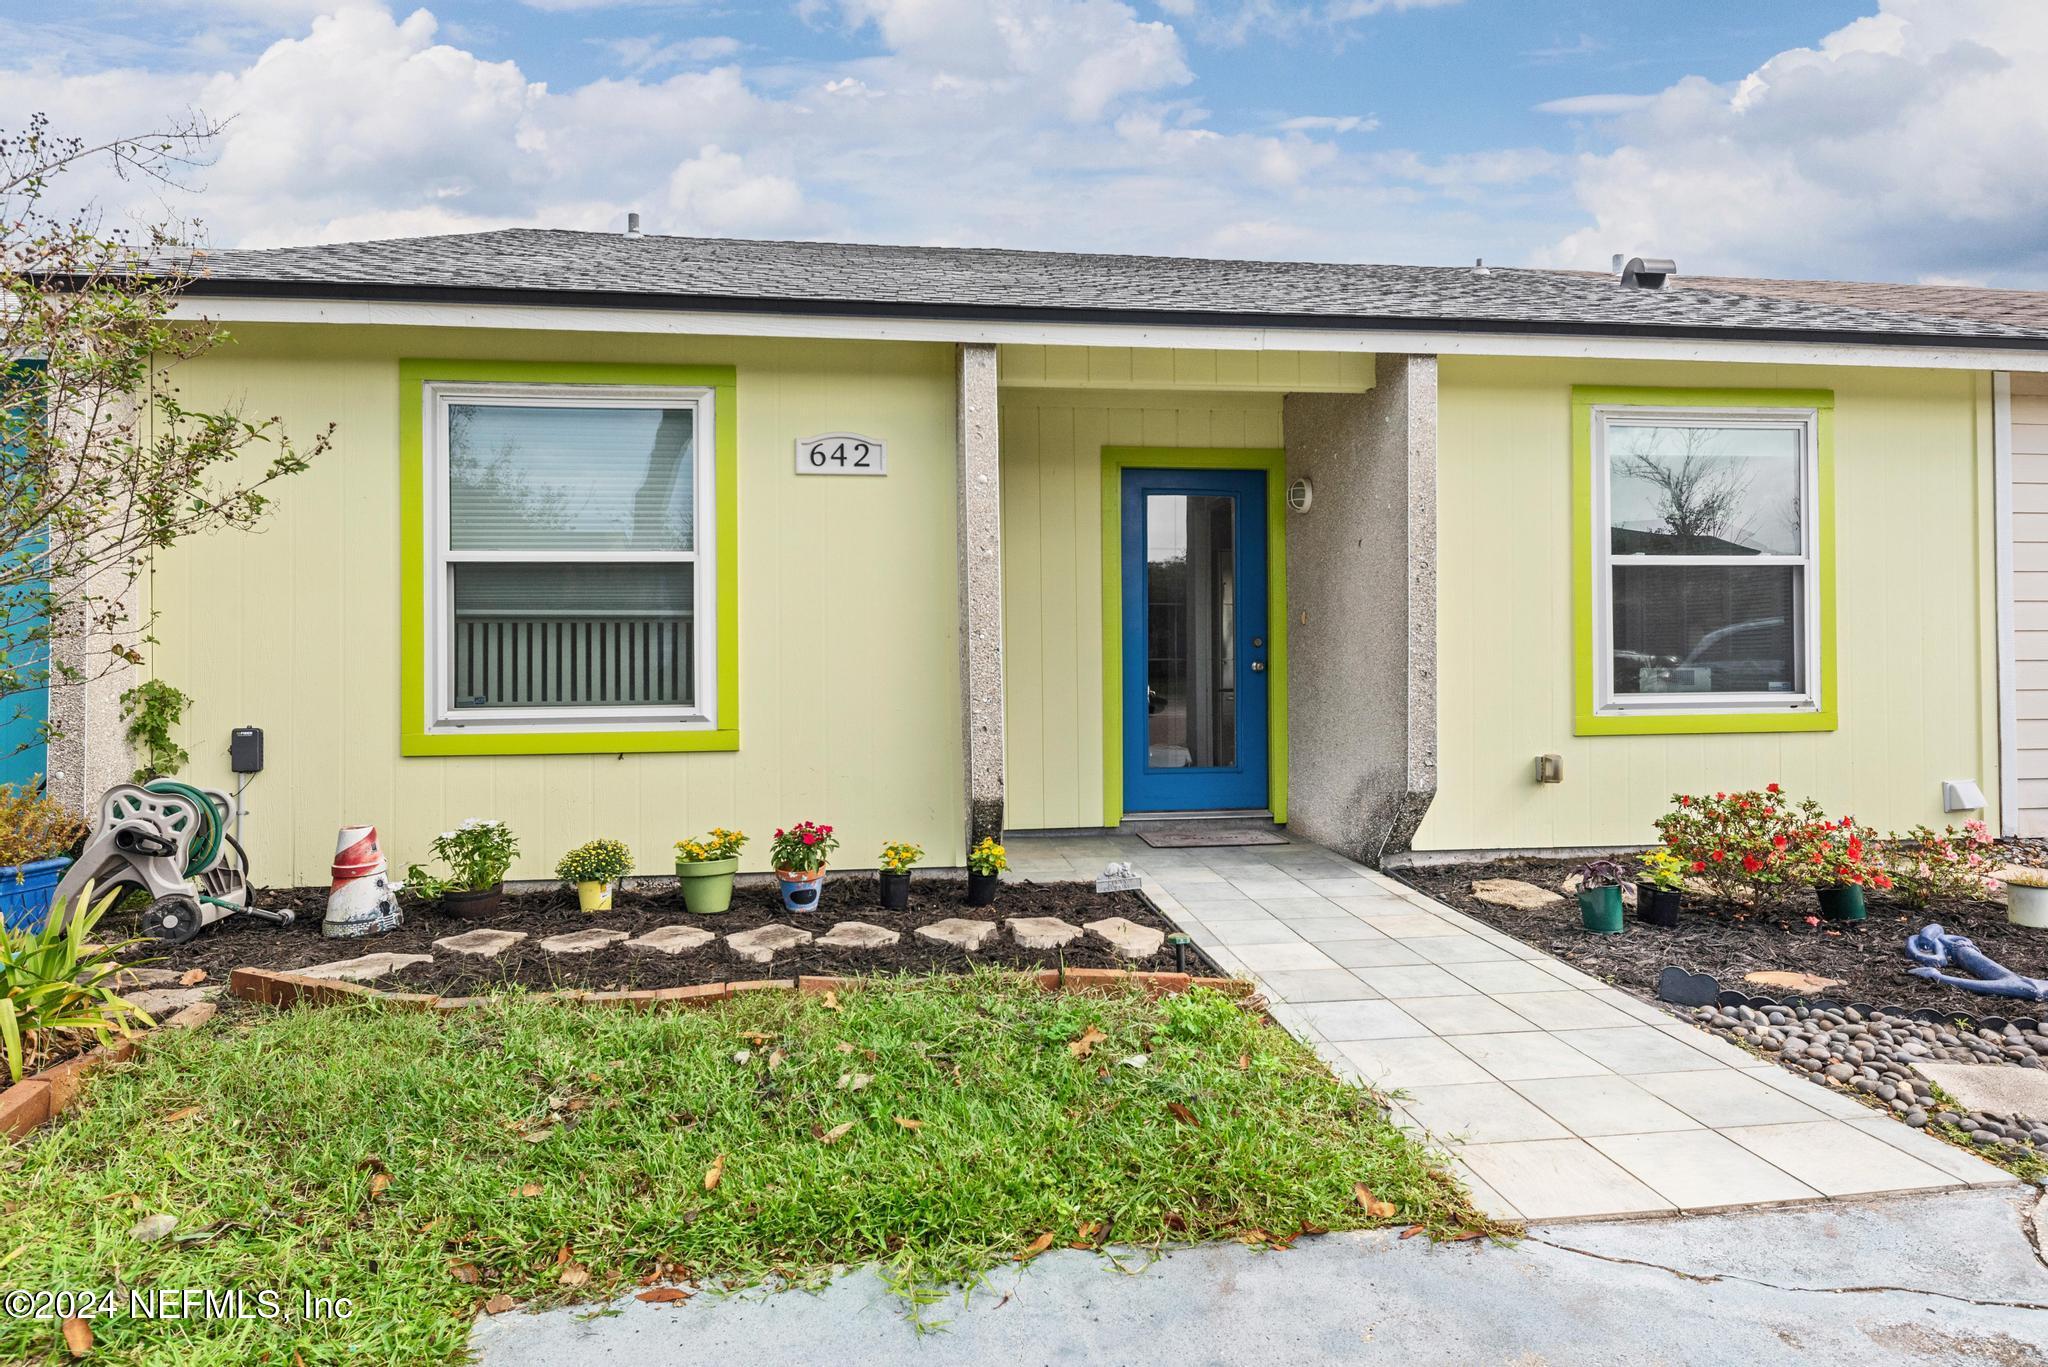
<point x="2002" y="563"/>
<point x="547" y="318"/>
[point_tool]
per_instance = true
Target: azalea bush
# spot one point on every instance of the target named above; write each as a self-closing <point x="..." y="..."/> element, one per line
<point x="900" y="856"/>
<point x="720" y="844"/>
<point x="1925" y="864"/>
<point x="804" y="847"/>
<point x="1756" y="845"/>
<point x="596" y="861"/>
<point x="479" y="852"/>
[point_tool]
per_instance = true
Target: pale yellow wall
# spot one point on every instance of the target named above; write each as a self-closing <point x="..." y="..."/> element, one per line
<point x="1172" y="368"/>
<point x="849" y="671"/>
<point x="1052" y="572"/>
<point x="1916" y="653"/>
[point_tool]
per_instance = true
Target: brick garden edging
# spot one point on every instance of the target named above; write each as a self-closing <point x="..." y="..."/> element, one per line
<point x="288" y="989"/>
<point x="40" y="1097"/>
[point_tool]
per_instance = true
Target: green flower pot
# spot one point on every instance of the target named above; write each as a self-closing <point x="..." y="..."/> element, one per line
<point x="1600" y="910"/>
<point x="1840" y="904"/>
<point x="707" y="885"/>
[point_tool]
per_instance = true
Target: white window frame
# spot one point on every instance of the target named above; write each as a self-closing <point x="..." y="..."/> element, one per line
<point x="443" y="718"/>
<point x="1804" y="421"/>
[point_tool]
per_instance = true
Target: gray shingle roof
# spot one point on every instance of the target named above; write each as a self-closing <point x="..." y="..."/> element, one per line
<point x="554" y="266"/>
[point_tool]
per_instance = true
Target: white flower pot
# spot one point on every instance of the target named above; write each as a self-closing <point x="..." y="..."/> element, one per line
<point x="2025" y="906"/>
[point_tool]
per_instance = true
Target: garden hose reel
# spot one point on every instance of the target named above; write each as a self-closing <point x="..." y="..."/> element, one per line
<point x="174" y="842"/>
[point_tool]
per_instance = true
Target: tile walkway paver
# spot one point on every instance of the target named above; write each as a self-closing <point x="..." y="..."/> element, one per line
<point x="1555" y="1095"/>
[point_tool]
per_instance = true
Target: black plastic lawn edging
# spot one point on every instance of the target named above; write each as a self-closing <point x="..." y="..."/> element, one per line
<point x="1681" y="988"/>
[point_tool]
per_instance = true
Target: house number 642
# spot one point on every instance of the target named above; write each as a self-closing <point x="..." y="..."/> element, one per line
<point x="841" y="453"/>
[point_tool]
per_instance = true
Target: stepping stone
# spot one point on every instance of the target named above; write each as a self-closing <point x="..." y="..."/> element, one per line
<point x="1513" y="894"/>
<point x="582" y="941"/>
<point x="957" y="932"/>
<point x="673" y="939"/>
<point x="1784" y="980"/>
<point x="1992" y="1087"/>
<point x="859" y="935"/>
<point x="146" y="977"/>
<point x="361" y="970"/>
<point x="1127" y="938"/>
<point x="485" y="943"/>
<point x="761" y="944"/>
<point x="1041" y="932"/>
<point x="160" y="1002"/>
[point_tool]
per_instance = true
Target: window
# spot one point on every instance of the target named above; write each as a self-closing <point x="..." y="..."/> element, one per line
<point x="1707" y="593"/>
<point x="571" y="582"/>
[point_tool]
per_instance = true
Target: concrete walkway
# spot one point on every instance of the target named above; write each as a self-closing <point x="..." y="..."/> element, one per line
<point x="1932" y="1279"/>
<point x="1557" y="1096"/>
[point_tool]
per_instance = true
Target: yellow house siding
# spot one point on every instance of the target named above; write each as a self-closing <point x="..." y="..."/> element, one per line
<point x="1052" y="444"/>
<point x="1915" y="642"/>
<point x="849" y="670"/>
<point x="1030" y="366"/>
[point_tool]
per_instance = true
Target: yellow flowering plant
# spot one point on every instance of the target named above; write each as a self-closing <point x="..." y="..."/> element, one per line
<point x="596" y="861"/>
<point x="720" y="844"/>
<point x="1660" y="868"/>
<point x="900" y="856"/>
<point x="987" y="857"/>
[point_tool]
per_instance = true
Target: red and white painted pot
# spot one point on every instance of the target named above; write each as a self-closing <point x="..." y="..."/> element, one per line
<point x="359" y="901"/>
<point x="801" y="890"/>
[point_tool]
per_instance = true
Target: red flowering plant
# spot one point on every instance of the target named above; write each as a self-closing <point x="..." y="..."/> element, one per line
<point x="1838" y="853"/>
<point x="804" y="847"/>
<point x="1739" y="846"/>
<point x="1925" y="864"/>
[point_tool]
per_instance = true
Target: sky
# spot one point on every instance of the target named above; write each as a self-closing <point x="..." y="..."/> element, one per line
<point x="1846" y="139"/>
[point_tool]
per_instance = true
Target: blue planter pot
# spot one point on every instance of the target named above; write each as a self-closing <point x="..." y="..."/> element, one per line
<point x="800" y="891"/>
<point x="26" y="891"/>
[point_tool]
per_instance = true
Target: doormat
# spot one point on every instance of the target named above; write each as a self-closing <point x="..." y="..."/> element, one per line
<point x="1210" y="840"/>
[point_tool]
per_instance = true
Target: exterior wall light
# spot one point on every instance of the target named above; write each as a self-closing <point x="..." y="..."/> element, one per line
<point x="1300" y="493"/>
<point x="1550" y="768"/>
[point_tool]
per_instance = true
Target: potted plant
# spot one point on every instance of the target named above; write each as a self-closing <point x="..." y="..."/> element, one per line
<point x="595" y="867"/>
<point x="1839" y="859"/>
<point x="477" y="853"/>
<point x="36" y="836"/>
<point x="985" y="865"/>
<point x="800" y="855"/>
<point x="1600" y="896"/>
<point x="705" y="867"/>
<point x="1660" y="887"/>
<point x="898" y="858"/>
<point x="2026" y="897"/>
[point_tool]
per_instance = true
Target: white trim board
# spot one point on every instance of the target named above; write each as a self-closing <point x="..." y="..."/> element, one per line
<point x="2008" y="662"/>
<point x="546" y="318"/>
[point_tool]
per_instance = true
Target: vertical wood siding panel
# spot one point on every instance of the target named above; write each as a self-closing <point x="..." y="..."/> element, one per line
<point x="1024" y="656"/>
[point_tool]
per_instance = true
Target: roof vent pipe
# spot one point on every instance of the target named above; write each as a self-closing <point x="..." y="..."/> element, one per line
<point x="1479" y="266"/>
<point x="1615" y="269"/>
<point x="633" y="225"/>
<point x="1648" y="273"/>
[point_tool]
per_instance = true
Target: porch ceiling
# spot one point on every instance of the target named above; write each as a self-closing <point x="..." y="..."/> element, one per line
<point x="1175" y="368"/>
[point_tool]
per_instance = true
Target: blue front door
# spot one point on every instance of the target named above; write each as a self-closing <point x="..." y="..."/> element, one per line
<point x="24" y="645"/>
<point x="1195" y="634"/>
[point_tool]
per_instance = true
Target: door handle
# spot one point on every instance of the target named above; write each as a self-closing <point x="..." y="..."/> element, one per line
<point x="1258" y="666"/>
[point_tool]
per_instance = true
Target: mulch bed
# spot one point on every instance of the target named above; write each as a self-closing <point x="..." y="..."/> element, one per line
<point x="1729" y="941"/>
<point x="244" y="942"/>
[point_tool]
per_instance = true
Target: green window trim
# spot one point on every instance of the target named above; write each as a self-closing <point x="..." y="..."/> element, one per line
<point x="1588" y="719"/>
<point x="416" y="737"/>
<point x="1117" y="459"/>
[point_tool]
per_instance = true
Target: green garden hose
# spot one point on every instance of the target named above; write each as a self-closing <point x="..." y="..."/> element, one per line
<point x="206" y="840"/>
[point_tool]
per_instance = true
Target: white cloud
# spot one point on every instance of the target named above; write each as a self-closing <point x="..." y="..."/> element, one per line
<point x="1596" y="106"/>
<point x="1229" y="23"/>
<point x="1908" y="142"/>
<point x="714" y="194"/>
<point x="650" y="52"/>
<point x="1329" y="123"/>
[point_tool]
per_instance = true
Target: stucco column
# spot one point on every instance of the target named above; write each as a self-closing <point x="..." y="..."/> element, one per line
<point x="981" y="591"/>
<point x="1361" y="588"/>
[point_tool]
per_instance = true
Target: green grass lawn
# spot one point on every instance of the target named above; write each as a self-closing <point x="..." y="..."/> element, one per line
<point x="422" y="1165"/>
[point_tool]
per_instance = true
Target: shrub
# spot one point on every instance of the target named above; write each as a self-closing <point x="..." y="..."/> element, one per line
<point x="478" y="853"/>
<point x="1841" y="853"/>
<point x="804" y="847"/>
<point x="900" y="857"/>
<point x="720" y="844"/>
<point x="596" y="861"/>
<point x="57" y="987"/>
<point x="32" y="827"/>
<point x="1752" y="846"/>
<point x="987" y="857"/>
<point x="1925" y="864"/>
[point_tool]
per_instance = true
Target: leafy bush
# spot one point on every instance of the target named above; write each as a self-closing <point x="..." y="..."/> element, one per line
<point x="1925" y="864"/>
<point x="804" y="847"/>
<point x="1753" y="846"/>
<point x="987" y="857"/>
<point x="478" y="852"/>
<point x="900" y="856"/>
<point x="56" y="986"/>
<point x="720" y="844"/>
<point x="33" y="827"/>
<point x="596" y="861"/>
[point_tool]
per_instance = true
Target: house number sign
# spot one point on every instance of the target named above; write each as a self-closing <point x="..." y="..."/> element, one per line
<point x="841" y="453"/>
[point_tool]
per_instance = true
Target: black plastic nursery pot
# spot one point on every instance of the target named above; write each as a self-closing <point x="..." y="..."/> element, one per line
<point x="1600" y="910"/>
<point x="1658" y="907"/>
<point x="896" y="891"/>
<point x="981" y="888"/>
<point x="475" y="906"/>
<point x="1840" y="904"/>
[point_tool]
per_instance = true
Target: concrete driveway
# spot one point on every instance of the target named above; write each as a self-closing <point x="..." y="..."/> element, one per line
<point x="1951" y="1278"/>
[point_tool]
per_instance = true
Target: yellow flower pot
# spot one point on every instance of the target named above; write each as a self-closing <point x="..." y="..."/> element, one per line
<point x="594" y="897"/>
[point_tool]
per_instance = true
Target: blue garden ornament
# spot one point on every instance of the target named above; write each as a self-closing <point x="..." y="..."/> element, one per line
<point x="1935" y="949"/>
